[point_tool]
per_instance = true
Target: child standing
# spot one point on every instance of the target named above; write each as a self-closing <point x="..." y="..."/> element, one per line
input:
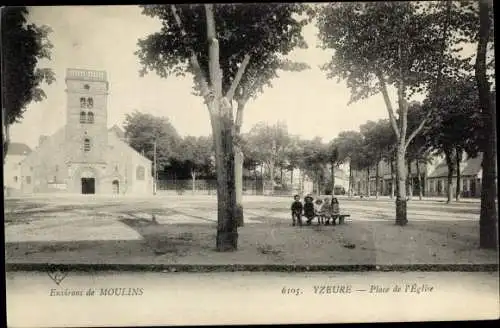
<point x="296" y="210"/>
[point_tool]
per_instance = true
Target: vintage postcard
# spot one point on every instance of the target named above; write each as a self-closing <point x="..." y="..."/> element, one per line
<point x="249" y="163"/>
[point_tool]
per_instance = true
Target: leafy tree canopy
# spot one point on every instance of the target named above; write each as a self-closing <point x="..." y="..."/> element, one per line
<point x="23" y="46"/>
<point x="384" y="41"/>
<point x="263" y="31"/>
<point x="142" y="130"/>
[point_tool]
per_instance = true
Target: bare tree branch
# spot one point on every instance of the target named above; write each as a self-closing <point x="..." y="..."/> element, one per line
<point x="214" y="67"/>
<point x="418" y="128"/>
<point x="205" y="90"/>
<point x="392" y="119"/>
<point x="439" y="75"/>
<point x="237" y="78"/>
<point x="239" y="116"/>
<point x="403" y="108"/>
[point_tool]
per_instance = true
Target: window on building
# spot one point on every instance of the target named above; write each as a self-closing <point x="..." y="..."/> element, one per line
<point x="15" y="179"/>
<point x="83" y="102"/>
<point x="57" y="168"/>
<point x="90" y="103"/>
<point x="86" y="144"/>
<point x="464" y="185"/>
<point x="86" y="87"/>
<point x="90" y="118"/>
<point x="83" y="117"/>
<point x="140" y="173"/>
<point x="28" y="179"/>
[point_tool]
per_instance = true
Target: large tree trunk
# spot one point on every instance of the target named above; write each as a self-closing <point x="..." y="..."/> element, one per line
<point x="271" y="177"/>
<point x="393" y="180"/>
<point x="449" y="163"/>
<point x="271" y="166"/>
<point x="238" y="164"/>
<point x="410" y="180"/>
<point x="262" y="177"/>
<point x="255" y="179"/>
<point x="368" y="182"/>
<point x="333" y="178"/>
<point x="193" y="181"/>
<point x="488" y="221"/>
<point x="350" y="181"/>
<point x="5" y="134"/>
<point x="222" y="129"/>
<point x="419" y="177"/>
<point x="227" y="234"/>
<point x="238" y="174"/>
<point x="401" y="218"/>
<point x="377" y="178"/>
<point x="459" y="181"/>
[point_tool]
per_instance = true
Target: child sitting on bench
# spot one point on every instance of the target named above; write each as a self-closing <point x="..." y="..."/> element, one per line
<point x="326" y="211"/>
<point x="318" y="209"/>
<point x="309" y="209"/>
<point x="335" y="210"/>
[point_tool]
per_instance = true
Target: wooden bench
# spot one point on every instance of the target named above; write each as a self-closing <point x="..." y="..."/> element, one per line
<point x="341" y="217"/>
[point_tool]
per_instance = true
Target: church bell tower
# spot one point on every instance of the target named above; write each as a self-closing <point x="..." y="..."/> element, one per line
<point x="86" y="124"/>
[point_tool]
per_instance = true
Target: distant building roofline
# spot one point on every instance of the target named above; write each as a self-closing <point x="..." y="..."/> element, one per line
<point x="18" y="149"/>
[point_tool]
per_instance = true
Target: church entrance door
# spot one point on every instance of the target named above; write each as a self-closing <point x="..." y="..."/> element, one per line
<point x="116" y="187"/>
<point x="88" y="185"/>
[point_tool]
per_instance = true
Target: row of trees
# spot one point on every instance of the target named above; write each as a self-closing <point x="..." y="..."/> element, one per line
<point x="234" y="50"/>
<point x="456" y="130"/>
<point x="410" y="46"/>
<point x="182" y="157"/>
<point x="415" y="47"/>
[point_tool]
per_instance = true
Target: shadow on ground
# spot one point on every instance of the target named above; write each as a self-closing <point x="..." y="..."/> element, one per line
<point x="270" y="241"/>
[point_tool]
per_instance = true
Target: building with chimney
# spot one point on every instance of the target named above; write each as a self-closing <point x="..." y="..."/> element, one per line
<point x="84" y="156"/>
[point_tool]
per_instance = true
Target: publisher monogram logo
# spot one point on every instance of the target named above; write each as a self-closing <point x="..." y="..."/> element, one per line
<point x="57" y="276"/>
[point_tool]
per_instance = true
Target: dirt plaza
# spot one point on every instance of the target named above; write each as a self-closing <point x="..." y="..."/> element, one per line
<point x="121" y="230"/>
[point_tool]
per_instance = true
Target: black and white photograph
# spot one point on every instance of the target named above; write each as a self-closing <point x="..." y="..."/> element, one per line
<point x="249" y="163"/>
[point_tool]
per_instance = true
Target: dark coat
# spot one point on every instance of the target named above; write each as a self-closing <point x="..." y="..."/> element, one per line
<point x="296" y="207"/>
<point x="309" y="210"/>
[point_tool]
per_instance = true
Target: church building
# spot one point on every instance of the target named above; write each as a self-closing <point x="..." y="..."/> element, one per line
<point x="84" y="156"/>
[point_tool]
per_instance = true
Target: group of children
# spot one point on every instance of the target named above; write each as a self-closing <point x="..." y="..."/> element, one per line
<point x="324" y="210"/>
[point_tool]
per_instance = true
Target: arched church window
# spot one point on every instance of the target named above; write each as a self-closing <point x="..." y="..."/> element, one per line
<point x="86" y="144"/>
<point x="90" y="103"/>
<point x="83" y="102"/>
<point x="83" y="117"/>
<point x="90" y="117"/>
<point x="140" y="173"/>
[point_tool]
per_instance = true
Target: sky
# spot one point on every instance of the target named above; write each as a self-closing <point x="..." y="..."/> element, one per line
<point x="105" y="38"/>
